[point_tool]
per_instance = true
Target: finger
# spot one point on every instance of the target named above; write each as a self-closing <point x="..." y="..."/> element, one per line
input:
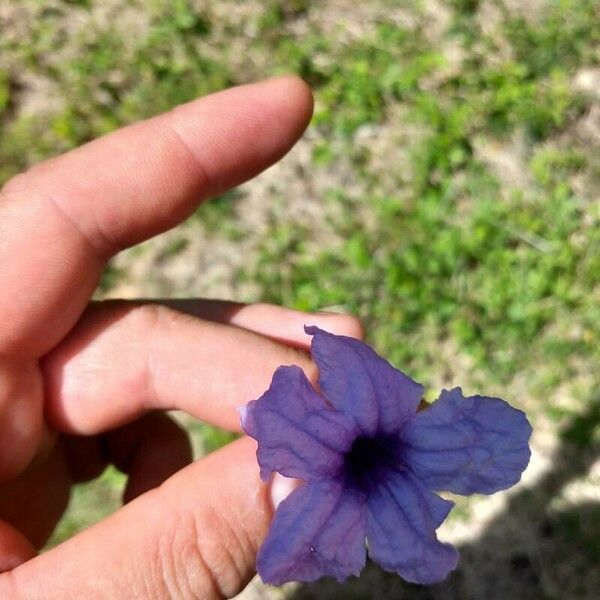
<point x="277" y="322"/>
<point x="34" y="502"/>
<point x="21" y="418"/>
<point x="84" y="457"/>
<point x="194" y="537"/>
<point x="149" y="451"/>
<point x="124" y="359"/>
<point x="63" y="218"/>
<point x="15" y="548"/>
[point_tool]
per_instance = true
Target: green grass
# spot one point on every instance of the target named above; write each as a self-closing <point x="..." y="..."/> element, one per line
<point x="457" y="268"/>
<point x="457" y="255"/>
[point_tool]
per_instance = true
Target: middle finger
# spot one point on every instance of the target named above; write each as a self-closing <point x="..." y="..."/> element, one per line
<point x="124" y="359"/>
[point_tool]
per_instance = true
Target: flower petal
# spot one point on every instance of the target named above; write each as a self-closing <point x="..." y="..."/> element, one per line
<point x="402" y="517"/>
<point x="318" y="530"/>
<point x="467" y="445"/>
<point x="357" y="381"/>
<point x="298" y="434"/>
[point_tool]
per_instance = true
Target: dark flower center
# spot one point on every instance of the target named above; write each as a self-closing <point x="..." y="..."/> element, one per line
<point x="368" y="462"/>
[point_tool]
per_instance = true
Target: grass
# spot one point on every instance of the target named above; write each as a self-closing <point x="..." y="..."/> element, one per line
<point x="457" y="255"/>
<point x="473" y="252"/>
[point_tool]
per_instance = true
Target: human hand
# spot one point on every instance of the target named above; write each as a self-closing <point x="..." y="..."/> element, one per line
<point x="100" y="373"/>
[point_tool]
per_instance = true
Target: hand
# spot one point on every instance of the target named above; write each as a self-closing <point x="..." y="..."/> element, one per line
<point x="100" y="373"/>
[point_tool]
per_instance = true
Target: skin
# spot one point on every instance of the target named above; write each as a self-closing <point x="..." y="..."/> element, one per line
<point x="84" y="384"/>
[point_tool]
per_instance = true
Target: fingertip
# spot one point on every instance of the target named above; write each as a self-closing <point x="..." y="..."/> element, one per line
<point x="341" y="324"/>
<point x="281" y="487"/>
<point x="264" y="118"/>
<point x="295" y="95"/>
<point x="287" y="104"/>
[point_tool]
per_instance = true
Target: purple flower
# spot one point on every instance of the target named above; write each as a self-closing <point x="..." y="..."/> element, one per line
<point x="371" y="464"/>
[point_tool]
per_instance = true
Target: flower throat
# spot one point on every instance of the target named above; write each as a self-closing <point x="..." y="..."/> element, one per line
<point x="367" y="461"/>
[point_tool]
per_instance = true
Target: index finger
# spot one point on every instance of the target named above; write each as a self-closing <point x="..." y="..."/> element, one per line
<point x="61" y="220"/>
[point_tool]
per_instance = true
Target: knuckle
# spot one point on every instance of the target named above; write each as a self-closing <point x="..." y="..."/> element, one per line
<point x="201" y="556"/>
<point x="177" y="565"/>
<point x="153" y="316"/>
<point x="146" y="317"/>
<point x="31" y="186"/>
<point x="147" y="322"/>
<point x="150" y="322"/>
<point x="223" y="550"/>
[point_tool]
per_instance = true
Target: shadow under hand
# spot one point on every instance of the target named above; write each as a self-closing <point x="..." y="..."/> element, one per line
<point x="535" y="549"/>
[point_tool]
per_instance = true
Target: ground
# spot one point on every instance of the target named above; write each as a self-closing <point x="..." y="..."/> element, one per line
<point x="446" y="192"/>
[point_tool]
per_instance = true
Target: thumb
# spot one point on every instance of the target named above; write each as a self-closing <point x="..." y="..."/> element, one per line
<point x="196" y="536"/>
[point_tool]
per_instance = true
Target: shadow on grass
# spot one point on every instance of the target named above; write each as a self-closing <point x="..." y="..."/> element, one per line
<point x="535" y="549"/>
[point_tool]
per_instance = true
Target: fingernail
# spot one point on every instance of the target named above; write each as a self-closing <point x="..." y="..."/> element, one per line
<point x="243" y="413"/>
<point x="281" y="488"/>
